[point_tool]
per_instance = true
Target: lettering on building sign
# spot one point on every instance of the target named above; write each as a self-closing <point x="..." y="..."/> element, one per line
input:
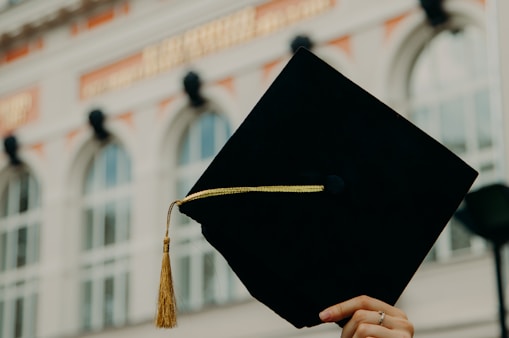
<point x="18" y="109"/>
<point x="233" y="29"/>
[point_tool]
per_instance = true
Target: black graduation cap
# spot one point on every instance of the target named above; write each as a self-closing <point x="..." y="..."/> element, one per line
<point x="324" y="193"/>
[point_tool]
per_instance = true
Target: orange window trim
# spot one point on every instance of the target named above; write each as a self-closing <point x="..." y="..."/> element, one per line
<point x="344" y="43"/>
<point x="101" y="18"/>
<point x="17" y="53"/>
<point x="392" y="24"/>
<point x="228" y="84"/>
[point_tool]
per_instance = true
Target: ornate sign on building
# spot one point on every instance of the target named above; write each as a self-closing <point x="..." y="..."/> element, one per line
<point x="236" y="28"/>
<point x="18" y="109"/>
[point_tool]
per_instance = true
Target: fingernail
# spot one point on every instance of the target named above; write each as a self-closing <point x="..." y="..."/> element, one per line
<point x="325" y="315"/>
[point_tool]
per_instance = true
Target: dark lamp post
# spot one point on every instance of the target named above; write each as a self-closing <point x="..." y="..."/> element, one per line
<point x="192" y="86"/>
<point x="434" y="11"/>
<point x="96" y="119"/>
<point x="11" y="147"/>
<point x="486" y="213"/>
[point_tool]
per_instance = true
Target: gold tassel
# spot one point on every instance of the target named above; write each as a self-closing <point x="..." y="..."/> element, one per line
<point x="167" y="305"/>
<point x="167" y="308"/>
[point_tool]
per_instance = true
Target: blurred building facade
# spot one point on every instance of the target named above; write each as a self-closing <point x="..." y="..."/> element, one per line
<point x="92" y="103"/>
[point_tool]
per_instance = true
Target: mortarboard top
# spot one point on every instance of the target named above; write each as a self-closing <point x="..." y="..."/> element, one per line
<point x="346" y="196"/>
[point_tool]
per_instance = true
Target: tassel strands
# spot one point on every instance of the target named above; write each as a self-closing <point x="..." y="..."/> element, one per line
<point x="167" y="305"/>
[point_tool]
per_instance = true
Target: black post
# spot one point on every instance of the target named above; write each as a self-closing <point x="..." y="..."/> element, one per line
<point x="486" y="213"/>
<point x="497" y="250"/>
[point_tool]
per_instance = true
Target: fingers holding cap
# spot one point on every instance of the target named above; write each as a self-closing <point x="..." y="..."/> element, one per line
<point x="347" y="308"/>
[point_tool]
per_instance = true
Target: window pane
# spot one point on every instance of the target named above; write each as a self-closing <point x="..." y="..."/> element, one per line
<point x="208" y="278"/>
<point x="3" y="251"/>
<point x="33" y="244"/>
<point x="450" y="59"/>
<point x="224" y="126"/>
<point x="110" y="154"/>
<point x="86" y="305"/>
<point x="88" y="236"/>
<point x="184" y="275"/>
<point x="18" y="318"/>
<point x="33" y="188"/>
<point x="453" y="125"/>
<point x="109" y="168"/>
<point x="109" y="224"/>
<point x="475" y="47"/>
<point x="123" y="166"/>
<point x="108" y="302"/>
<point x="483" y="119"/>
<point x="207" y="135"/>
<point x="90" y="180"/>
<point x="487" y="169"/>
<point x="3" y="202"/>
<point x="460" y="236"/>
<point x="185" y="149"/>
<point x="21" y="257"/>
<point x="10" y="205"/>
<point x="124" y="220"/>
<point x="32" y="315"/>
<point x="23" y="193"/>
<point x="126" y="296"/>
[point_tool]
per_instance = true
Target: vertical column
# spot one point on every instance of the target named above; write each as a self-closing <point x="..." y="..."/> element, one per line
<point x="497" y="12"/>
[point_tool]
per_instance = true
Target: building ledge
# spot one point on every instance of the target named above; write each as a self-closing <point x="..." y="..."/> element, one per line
<point x="34" y="18"/>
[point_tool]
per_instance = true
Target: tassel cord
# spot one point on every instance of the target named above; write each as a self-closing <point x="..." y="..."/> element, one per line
<point x="168" y="216"/>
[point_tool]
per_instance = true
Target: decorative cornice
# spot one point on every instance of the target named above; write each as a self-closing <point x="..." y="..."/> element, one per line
<point x="37" y="26"/>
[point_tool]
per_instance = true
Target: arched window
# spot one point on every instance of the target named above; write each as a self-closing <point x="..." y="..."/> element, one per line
<point x="202" y="276"/>
<point x="105" y="234"/>
<point x="449" y="93"/>
<point x="19" y="254"/>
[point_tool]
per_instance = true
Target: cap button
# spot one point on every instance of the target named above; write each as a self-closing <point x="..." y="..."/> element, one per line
<point x="334" y="185"/>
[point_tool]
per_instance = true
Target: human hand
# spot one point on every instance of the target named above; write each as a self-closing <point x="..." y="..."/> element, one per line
<point x="369" y="317"/>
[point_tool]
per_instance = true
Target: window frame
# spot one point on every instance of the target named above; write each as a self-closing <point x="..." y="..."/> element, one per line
<point x="189" y="245"/>
<point x="443" y="251"/>
<point x="103" y="260"/>
<point x="19" y="283"/>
